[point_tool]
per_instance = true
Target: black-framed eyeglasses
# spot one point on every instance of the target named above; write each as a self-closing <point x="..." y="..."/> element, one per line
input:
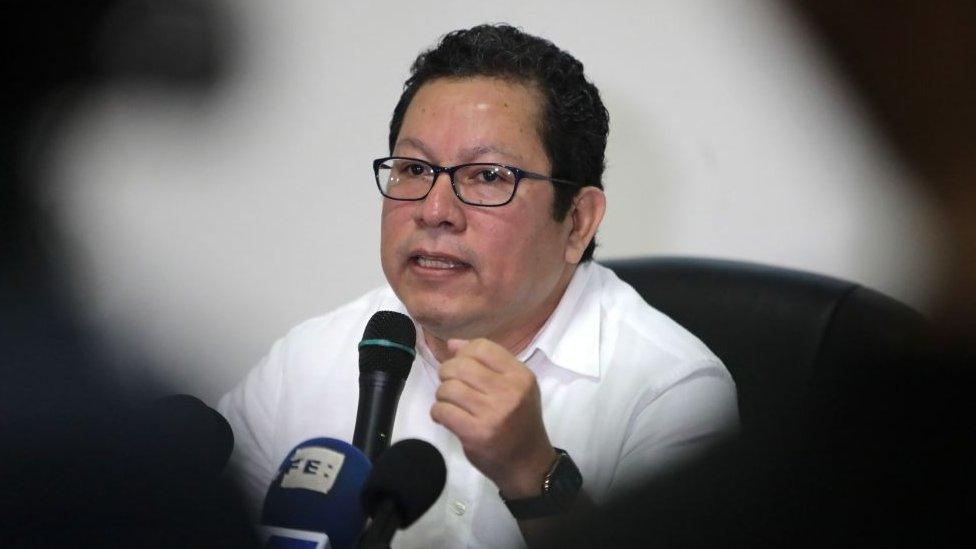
<point x="478" y="184"/>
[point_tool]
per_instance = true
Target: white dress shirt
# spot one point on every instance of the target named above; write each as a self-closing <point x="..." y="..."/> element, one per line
<point x="625" y="391"/>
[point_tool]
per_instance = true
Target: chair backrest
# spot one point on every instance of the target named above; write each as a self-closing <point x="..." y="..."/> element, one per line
<point x="777" y="330"/>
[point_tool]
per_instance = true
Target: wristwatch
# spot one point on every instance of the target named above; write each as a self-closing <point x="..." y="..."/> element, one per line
<point x="559" y="489"/>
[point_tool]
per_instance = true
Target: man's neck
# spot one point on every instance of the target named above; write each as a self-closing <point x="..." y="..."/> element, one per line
<point x="515" y="341"/>
<point x="438" y="346"/>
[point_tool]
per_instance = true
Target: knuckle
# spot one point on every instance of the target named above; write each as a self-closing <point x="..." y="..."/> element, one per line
<point x="468" y="369"/>
<point x="437" y="412"/>
<point x="521" y="380"/>
<point x="480" y="344"/>
<point x="527" y="377"/>
<point x="444" y="391"/>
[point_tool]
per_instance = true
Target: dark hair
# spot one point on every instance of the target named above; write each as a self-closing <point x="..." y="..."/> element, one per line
<point x="574" y="122"/>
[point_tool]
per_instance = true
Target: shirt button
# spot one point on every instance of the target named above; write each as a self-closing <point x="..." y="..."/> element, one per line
<point x="458" y="508"/>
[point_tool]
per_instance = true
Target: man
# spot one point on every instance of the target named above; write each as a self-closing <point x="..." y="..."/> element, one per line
<point x="492" y="197"/>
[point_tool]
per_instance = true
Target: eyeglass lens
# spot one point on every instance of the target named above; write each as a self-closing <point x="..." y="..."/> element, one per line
<point x="481" y="184"/>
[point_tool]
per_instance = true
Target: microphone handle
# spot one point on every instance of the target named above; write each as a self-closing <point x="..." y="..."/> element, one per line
<point x="381" y="529"/>
<point x="379" y="393"/>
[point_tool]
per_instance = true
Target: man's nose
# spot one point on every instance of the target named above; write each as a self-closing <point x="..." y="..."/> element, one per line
<point x="441" y="206"/>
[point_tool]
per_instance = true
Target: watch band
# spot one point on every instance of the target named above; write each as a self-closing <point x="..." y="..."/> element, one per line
<point x="559" y="489"/>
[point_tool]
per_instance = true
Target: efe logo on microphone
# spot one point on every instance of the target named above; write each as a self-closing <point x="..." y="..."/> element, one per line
<point x="313" y="468"/>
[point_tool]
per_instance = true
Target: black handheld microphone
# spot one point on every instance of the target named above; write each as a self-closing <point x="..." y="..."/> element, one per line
<point x="385" y="356"/>
<point x="400" y="489"/>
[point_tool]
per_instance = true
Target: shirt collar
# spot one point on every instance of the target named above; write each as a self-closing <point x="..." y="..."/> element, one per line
<point x="570" y="339"/>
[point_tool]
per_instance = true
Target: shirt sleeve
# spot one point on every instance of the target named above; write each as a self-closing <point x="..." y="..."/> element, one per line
<point x="251" y="409"/>
<point x="681" y="422"/>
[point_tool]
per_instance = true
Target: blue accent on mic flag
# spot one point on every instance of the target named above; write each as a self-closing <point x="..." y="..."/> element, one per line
<point x="317" y="489"/>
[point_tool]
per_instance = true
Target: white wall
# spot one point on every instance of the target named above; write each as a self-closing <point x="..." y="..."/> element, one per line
<point x="207" y="227"/>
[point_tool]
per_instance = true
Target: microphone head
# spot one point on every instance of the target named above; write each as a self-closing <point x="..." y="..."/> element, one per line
<point x="388" y="344"/>
<point x="193" y="437"/>
<point x="412" y="474"/>
<point x="316" y="490"/>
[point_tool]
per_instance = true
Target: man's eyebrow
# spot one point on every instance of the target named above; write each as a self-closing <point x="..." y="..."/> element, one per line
<point x="415" y="143"/>
<point x="467" y="155"/>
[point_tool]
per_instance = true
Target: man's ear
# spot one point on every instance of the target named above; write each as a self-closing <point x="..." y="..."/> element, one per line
<point x="585" y="217"/>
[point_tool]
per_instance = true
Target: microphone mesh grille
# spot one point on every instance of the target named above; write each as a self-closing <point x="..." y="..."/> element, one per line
<point x="394" y="327"/>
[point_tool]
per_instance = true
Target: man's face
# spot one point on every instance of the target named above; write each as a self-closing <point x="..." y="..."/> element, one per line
<point x="471" y="271"/>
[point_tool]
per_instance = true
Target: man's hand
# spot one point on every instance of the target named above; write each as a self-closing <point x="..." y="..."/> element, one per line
<point x="491" y="402"/>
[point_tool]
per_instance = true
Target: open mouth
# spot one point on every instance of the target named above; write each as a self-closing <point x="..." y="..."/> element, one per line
<point x="438" y="262"/>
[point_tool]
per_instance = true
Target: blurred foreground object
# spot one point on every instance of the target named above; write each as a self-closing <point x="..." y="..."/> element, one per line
<point x="82" y="462"/>
<point x="880" y="451"/>
<point x="913" y="64"/>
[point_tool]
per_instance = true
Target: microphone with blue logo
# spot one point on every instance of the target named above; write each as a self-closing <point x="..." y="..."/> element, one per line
<point x="314" y="500"/>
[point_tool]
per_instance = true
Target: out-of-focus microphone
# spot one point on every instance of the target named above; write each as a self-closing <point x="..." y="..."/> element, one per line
<point x="405" y="482"/>
<point x="313" y="501"/>
<point x="385" y="356"/>
<point x="189" y="436"/>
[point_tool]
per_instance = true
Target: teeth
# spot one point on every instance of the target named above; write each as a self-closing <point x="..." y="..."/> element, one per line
<point x="432" y="263"/>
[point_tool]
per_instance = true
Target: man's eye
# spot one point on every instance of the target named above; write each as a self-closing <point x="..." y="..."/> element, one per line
<point x="493" y="174"/>
<point x="411" y="169"/>
<point x="489" y="175"/>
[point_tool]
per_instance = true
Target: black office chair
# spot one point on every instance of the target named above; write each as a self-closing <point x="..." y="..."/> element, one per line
<point x="777" y="330"/>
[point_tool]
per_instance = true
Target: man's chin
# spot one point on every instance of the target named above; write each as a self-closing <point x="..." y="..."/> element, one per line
<point x="441" y="322"/>
<point x="437" y="321"/>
